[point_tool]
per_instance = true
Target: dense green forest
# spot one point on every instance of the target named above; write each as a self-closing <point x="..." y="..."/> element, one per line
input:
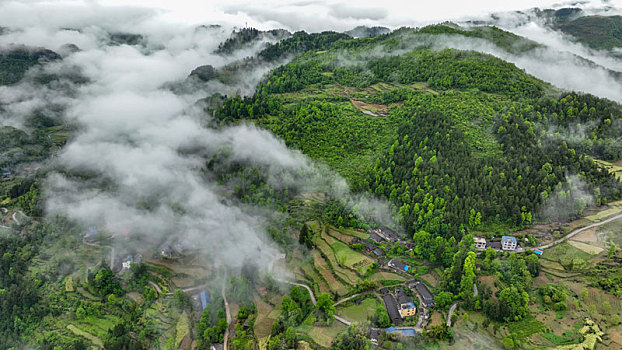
<point x="480" y="143"/>
<point x="15" y="61"/>
<point x="597" y="32"/>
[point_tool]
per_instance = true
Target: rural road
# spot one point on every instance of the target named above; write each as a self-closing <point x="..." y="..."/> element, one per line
<point x="15" y="216"/>
<point x="303" y="286"/>
<point x="452" y="308"/>
<point x="421" y="322"/>
<point x="346" y="299"/>
<point x="576" y="232"/>
<point x="227" y="310"/>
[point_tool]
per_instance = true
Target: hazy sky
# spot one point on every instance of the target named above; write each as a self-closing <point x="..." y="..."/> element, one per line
<point x="310" y="15"/>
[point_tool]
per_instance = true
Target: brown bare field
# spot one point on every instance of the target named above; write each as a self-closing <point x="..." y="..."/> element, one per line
<point x="263" y="324"/>
<point x="432" y="278"/>
<point x="588" y="236"/>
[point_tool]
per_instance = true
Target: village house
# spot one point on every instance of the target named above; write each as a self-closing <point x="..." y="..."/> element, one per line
<point x="508" y="243"/>
<point x="370" y="247"/>
<point x="386" y="234"/>
<point x="127" y="263"/>
<point x="407" y="307"/>
<point x="374" y="237"/>
<point x="480" y="243"/>
<point x="424" y="292"/>
<point x="398" y="265"/>
<point x="392" y="309"/>
<point x="374" y="335"/>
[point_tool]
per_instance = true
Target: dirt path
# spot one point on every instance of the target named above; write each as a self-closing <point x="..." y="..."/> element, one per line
<point x="155" y="285"/>
<point x="340" y="319"/>
<point x="576" y="232"/>
<point x="452" y="308"/>
<point x="227" y="310"/>
<point x="346" y="299"/>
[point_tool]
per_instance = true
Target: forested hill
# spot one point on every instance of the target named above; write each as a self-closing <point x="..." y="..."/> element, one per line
<point x="16" y="60"/>
<point x="459" y="140"/>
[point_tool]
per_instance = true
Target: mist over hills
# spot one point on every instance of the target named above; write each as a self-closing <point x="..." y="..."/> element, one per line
<point x="149" y="166"/>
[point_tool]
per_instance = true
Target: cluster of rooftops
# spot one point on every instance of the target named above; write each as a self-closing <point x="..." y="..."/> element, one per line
<point x="507" y="243"/>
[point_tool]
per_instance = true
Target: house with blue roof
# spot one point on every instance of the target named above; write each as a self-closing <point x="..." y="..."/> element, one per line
<point x="508" y="243"/>
<point x="398" y="265"/>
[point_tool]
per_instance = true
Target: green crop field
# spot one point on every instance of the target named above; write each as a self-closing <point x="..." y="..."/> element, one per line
<point x="360" y="313"/>
<point x="349" y="257"/>
<point x="93" y="339"/>
<point x="565" y="252"/>
<point x="526" y="327"/>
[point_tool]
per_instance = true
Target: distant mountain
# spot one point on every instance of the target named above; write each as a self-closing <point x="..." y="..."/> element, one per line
<point x="597" y="32"/>
<point x="365" y="32"/>
<point x="246" y="36"/>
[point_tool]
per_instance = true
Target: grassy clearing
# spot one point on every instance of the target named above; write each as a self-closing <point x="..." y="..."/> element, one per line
<point x="602" y="215"/>
<point x="97" y="326"/>
<point x="349" y="257"/>
<point x="588" y="248"/>
<point x="564" y="252"/>
<point x="182" y="328"/>
<point x="613" y="231"/>
<point x="432" y="278"/>
<point x="263" y="323"/>
<point x="596" y="300"/>
<point x="551" y="265"/>
<point x="386" y="276"/>
<point x="355" y="233"/>
<point x="566" y="338"/>
<point x="325" y="335"/>
<point x="361" y="312"/>
<point x="93" y="339"/>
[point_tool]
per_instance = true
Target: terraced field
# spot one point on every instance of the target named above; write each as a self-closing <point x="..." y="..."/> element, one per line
<point x="327" y="274"/>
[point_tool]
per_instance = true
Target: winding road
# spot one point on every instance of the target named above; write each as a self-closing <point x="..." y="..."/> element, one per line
<point x="303" y="286"/>
<point x="15" y="216"/>
<point x="576" y="232"/>
<point x="338" y="318"/>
